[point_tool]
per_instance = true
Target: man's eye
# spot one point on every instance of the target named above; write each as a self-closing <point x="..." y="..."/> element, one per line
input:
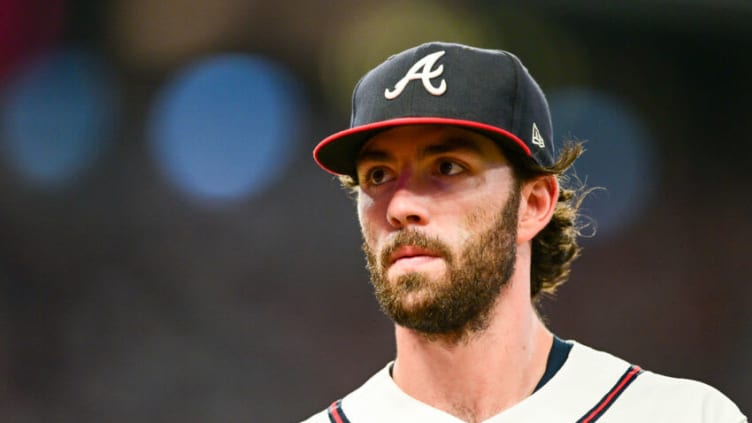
<point x="449" y="168"/>
<point x="377" y="176"/>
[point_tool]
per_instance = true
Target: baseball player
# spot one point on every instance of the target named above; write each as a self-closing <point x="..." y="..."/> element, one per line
<point x="466" y="222"/>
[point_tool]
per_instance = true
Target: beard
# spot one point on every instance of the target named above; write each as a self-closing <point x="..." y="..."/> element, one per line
<point x="459" y="303"/>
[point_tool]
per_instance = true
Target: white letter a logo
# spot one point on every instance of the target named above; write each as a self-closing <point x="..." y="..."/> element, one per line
<point x="422" y="69"/>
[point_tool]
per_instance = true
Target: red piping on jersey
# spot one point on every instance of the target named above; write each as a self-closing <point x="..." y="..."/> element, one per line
<point x="606" y="402"/>
<point x="334" y="412"/>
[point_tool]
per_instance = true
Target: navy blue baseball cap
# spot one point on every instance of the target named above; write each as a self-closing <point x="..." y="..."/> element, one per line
<point x="488" y="91"/>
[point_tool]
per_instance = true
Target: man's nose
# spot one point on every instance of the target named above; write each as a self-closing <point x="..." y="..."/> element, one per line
<point x="408" y="205"/>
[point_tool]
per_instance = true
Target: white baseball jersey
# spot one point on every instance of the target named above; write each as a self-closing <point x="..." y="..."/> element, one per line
<point x="590" y="386"/>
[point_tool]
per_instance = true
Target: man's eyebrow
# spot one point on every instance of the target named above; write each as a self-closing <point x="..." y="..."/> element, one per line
<point x="452" y="144"/>
<point x="372" y="155"/>
<point x="448" y="145"/>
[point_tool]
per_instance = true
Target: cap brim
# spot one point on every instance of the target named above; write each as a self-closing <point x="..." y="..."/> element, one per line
<point x="337" y="153"/>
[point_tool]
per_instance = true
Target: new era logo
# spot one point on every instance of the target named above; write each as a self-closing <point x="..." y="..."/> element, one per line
<point x="423" y="70"/>
<point x="537" y="137"/>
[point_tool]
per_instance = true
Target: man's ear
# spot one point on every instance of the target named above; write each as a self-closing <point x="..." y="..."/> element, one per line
<point x="538" y="198"/>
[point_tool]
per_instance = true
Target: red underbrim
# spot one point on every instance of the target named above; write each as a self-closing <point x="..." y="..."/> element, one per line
<point x="343" y="157"/>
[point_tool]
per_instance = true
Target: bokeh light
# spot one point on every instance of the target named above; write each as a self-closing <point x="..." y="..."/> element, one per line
<point x="28" y="27"/>
<point x="619" y="155"/>
<point x="153" y="35"/>
<point x="58" y="115"/>
<point x="360" y="44"/>
<point x="225" y="127"/>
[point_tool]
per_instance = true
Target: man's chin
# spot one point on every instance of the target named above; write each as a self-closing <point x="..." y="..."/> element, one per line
<point x="414" y="301"/>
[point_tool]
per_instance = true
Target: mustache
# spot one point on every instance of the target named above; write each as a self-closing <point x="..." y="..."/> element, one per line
<point x="415" y="238"/>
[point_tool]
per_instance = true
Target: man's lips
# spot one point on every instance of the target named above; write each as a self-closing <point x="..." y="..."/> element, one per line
<point x="410" y="251"/>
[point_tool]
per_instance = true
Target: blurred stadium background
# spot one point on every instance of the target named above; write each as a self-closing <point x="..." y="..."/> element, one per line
<point x="170" y="252"/>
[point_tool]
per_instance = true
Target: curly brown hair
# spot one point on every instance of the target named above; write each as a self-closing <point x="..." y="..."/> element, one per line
<point x="555" y="247"/>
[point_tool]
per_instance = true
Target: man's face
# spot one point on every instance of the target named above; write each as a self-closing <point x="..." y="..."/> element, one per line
<point x="438" y="210"/>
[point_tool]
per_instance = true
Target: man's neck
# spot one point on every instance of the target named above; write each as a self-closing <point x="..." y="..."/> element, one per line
<point x="482" y="375"/>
